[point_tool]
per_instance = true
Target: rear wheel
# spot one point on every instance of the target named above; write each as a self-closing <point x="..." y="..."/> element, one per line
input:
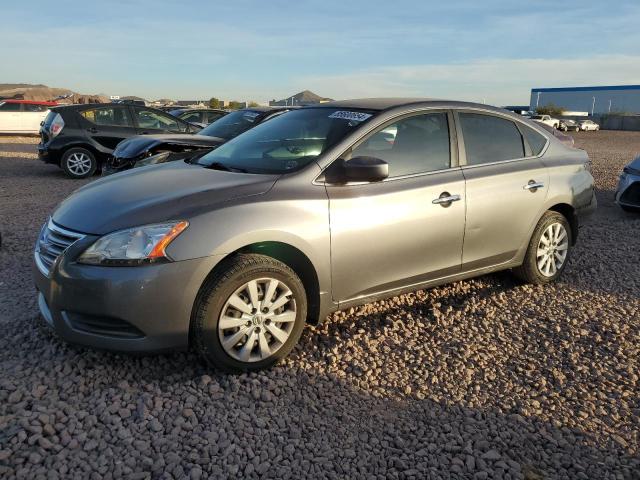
<point x="548" y="250"/>
<point x="250" y="314"/>
<point x="79" y="163"/>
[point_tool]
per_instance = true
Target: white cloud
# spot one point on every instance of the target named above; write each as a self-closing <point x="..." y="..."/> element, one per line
<point x="496" y="81"/>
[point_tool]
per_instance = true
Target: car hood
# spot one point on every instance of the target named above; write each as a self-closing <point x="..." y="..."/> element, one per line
<point x="133" y="147"/>
<point x="153" y="194"/>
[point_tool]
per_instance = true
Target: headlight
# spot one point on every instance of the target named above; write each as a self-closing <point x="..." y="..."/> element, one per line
<point x="630" y="171"/>
<point x="134" y="246"/>
<point x="152" y="160"/>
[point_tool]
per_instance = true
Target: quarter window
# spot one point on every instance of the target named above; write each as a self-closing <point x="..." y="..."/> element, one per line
<point x="416" y="144"/>
<point x="107" y="116"/>
<point x="488" y="138"/>
<point x="536" y="141"/>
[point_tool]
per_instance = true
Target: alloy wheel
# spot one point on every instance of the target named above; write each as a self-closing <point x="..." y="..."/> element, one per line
<point x="257" y="320"/>
<point x="79" y="163"/>
<point x="552" y="249"/>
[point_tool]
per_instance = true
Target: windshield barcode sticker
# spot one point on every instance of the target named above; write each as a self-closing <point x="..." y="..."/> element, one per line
<point x="355" y="116"/>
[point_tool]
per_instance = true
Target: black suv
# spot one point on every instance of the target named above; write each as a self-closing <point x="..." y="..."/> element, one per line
<point x="79" y="138"/>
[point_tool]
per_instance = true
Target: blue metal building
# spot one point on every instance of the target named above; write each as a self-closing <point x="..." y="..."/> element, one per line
<point x="594" y="100"/>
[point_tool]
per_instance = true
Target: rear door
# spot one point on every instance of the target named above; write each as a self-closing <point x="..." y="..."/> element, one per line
<point x="149" y="121"/>
<point x="10" y="117"/>
<point x="107" y="125"/>
<point x="506" y="186"/>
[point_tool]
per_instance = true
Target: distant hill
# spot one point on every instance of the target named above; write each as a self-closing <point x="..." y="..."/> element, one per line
<point x="306" y="97"/>
<point x="44" y="93"/>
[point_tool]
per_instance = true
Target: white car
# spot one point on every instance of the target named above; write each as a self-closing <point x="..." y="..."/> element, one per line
<point x="586" y="125"/>
<point x="22" y="116"/>
<point x="547" y="120"/>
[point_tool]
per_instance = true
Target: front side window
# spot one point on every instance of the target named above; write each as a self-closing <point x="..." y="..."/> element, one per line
<point x="285" y="143"/>
<point x="9" y="107"/>
<point x="488" y="138"/>
<point x="233" y="124"/>
<point x="416" y="144"/>
<point x="107" y="116"/>
<point x="34" y="107"/>
<point x="158" y="121"/>
<point x="213" y="116"/>
<point x="191" y="117"/>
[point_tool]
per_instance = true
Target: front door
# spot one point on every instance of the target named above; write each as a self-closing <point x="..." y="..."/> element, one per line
<point x="390" y="234"/>
<point x="506" y="187"/>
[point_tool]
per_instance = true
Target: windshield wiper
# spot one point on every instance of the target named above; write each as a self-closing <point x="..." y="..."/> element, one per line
<point x="226" y="168"/>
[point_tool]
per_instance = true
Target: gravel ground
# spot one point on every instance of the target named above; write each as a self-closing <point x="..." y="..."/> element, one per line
<point x="479" y="379"/>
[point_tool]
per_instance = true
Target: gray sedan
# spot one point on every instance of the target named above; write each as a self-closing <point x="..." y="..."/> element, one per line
<point x="320" y="209"/>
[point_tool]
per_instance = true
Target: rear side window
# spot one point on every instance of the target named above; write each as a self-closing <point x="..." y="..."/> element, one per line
<point x="10" y="107"/>
<point x="535" y="140"/>
<point x="416" y="144"/>
<point x="107" y="116"/>
<point x="488" y="138"/>
<point x="191" y="117"/>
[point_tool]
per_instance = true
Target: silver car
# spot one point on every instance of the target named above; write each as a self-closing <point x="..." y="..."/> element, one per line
<point x="320" y="209"/>
<point x="628" y="192"/>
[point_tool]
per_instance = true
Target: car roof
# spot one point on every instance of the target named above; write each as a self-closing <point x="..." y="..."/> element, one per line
<point x="389" y="103"/>
<point x="28" y="102"/>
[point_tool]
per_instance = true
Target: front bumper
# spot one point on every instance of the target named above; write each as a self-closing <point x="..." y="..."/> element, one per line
<point x="628" y="191"/>
<point x="128" y="309"/>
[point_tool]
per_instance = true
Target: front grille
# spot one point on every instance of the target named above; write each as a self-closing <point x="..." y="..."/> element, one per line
<point x="105" y="326"/>
<point x="52" y="243"/>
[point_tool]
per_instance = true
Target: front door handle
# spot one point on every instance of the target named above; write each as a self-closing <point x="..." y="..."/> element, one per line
<point x="533" y="185"/>
<point x="446" y="199"/>
<point x="92" y="130"/>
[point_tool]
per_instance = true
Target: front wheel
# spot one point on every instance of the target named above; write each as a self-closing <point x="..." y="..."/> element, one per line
<point x="548" y="250"/>
<point x="79" y="163"/>
<point x="249" y="314"/>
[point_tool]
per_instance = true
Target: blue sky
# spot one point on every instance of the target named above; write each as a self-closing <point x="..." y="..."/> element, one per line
<point x="486" y="50"/>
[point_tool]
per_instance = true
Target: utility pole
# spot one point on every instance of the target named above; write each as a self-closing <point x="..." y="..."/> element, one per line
<point x="609" y="105"/>
<point x="593" y="106"/>
<point x="537" y="100"/>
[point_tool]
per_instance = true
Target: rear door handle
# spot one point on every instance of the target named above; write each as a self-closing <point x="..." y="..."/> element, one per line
<point x="533" y="185"/>
<point x="92" y="130"/>
<point x="446" y="199"/>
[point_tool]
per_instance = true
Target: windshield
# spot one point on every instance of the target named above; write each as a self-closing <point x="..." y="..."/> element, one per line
<point x="286" y="143"/>
<point x="232" y="125"/>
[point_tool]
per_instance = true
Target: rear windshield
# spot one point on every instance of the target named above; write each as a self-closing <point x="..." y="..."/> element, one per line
<point x="287" y="142"/>
<point x="49" y="118"/>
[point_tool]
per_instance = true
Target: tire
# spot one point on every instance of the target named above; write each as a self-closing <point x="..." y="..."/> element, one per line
<point x="271" y="340"/>
<point x="78" y="163"/>
<point x="530" y="271"/>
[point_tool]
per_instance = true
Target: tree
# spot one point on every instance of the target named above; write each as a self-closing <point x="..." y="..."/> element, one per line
<point x="550" y="109"/>
<point x="214" y="102"/>
<point x="234" y="105"/>
<point x="253" y="104"/>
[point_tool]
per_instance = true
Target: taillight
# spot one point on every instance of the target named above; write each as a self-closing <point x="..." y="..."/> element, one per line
<point x="56" y="125"/>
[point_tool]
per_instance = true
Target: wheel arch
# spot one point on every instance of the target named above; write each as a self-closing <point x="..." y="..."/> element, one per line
<point x="569" y="212"/>
<point x="291" y="256"/>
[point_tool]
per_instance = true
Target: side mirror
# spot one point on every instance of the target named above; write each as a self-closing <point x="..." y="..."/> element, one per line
<point x="358" y="169"/>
